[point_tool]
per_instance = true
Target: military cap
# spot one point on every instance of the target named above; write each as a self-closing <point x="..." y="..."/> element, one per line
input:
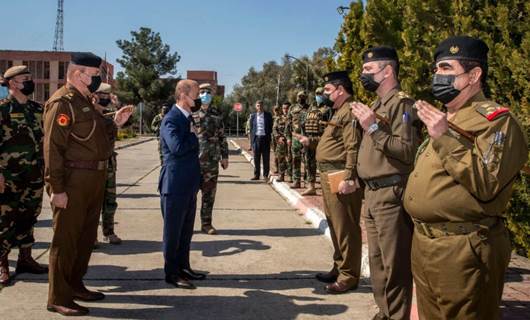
<point x="104" y="88"/>
<point x="15" y="71"/>
<point x="86" y="59"/>
<point x="205" y="86"/>
<point x="462" y="48"/>
<point x="381" y="53"/>
<point x="301" y="94"/>
<point x="337" y="75"/>
<point x="319" y="91"/>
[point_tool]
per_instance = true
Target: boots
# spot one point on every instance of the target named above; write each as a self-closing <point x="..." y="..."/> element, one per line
<point x="26" y="264"/>
<point x="310" y="191"/>
<point x="281" y="178"/>
<point x="4" y="271"/>
<point x="295" y="185"/>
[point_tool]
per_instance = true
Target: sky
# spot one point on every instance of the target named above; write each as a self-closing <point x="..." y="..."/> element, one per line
<point x="227" y="36"/>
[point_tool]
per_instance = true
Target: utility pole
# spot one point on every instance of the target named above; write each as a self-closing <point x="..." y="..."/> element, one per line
<point x="306" y="71"/>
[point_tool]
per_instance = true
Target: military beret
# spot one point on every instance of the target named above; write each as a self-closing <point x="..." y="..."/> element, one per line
<point x="86" y="59"/>
<point x="205" y="86"/>
<point x="381" y="53"/>
<point x="104" y="88"/>
<point x="301" y="94"/>
<point x="462" y="48"/>
<point x="337" y="75"/>
<point x="319" y="90"/>
<point x="16" y="71"/>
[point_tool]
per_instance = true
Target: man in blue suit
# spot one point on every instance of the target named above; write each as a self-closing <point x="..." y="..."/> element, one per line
<point x="179" y="181"/>
<point x="260" y="133"/>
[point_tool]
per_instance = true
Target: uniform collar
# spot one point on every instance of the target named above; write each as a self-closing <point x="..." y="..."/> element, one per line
<point x="476" y="98"/>
<point x="389" y="95"/>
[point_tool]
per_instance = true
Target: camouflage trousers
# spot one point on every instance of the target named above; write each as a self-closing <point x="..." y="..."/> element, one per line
<point x="210" y="174"/>
<point x="282" y="154"/>
<point x="20" y="205"/>
<point x="310" y="165"/>
<point x="297" y="155"/>
<point x="110" y="205"/>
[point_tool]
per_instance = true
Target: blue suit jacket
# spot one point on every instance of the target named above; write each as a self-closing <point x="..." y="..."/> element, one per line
<point x="254" y="125"/>
<point x="180" y="173"/>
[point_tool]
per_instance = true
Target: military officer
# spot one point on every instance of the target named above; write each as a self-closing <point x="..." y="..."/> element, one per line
<point x="282" y="149"/>
<point x="386" y="158"/>
<point x="337" y="154"/>
<point x="460" y="187"/>
<point x="21" y="171"/>
<point x="213" y="151"/>
<point x="292" y="131"/>
<point x="76" y="153"/>
<point x="102" y="102"/>
<point x="155" y="125"/>
<point x="312" y="129"/>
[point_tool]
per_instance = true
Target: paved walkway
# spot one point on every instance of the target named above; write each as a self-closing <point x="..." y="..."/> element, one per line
<point x="261" y="265"/>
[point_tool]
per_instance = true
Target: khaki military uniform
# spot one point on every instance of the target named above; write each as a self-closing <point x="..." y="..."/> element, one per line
<point x="76" y="153"/>
<point x="337" y="150"/>
<point x="457" y="196"/>
<point x="386" y="157"/>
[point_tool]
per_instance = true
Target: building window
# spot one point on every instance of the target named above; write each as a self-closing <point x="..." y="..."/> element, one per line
<point x="46" y="91"/>
<point x="46" y="70"/>
<point x="63" y="66"/>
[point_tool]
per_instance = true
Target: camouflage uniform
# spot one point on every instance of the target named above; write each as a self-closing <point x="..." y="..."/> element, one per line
<point x="213" y="148"/>
<point x="294" y="118"/>
<point x="21" y="164"/>
<point x="312" y="128"/>
<point x="275" y="116"/>
<point x="155" y="126"/>
<point x="282" y="150"/>
<point x="110" y="205"/>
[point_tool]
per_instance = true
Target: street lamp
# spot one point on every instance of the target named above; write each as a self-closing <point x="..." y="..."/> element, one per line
<point x="306" y="70"/>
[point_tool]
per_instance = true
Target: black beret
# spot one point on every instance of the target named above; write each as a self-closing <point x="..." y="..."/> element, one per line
<point x="86" y="59"/>
<point x="462" y="48"/>
<point x="380" y="54"/>
<point x="337" y="75"/>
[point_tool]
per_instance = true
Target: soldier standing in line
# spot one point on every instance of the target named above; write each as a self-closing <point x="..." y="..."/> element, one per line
<point x="282" y="150"/>
<point x="21" y="171"/>
<point x="292" y="130"/>
<point x="102" y="101"/>
<point x="213" y="151"/>
<point x="276" y="114"/>
<point x="459" y="189"/>
<point x="155" y="125"/>
<point x="386" y="158"/>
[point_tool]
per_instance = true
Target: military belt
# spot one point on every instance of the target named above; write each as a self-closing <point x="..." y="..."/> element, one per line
<point x="87" y="164"/>
<point x="213" y="139"/>
<point x="444" y="229"/>
<point x="379" y="183"/>
<point x="331" y="166"/>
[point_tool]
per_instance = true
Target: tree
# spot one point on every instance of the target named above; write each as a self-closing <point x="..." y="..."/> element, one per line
<point x="145" y="60"/>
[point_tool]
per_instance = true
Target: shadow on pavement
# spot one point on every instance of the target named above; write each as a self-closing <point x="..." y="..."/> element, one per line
<point x="278" y="232"/>
<point x="138" y="195"/>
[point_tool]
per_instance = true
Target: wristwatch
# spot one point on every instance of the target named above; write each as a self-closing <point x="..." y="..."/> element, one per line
<point x="373" y="128"/>
<point x="350" y="183"/>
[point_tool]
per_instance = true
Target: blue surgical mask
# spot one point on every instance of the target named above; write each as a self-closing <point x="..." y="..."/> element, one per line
<point x="206" y="98"/>
<point x="319" y="100"/>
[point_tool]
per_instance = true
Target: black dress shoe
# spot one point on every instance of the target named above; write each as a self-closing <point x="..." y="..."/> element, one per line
<point x="327" y="277"/>
<point x="192" y="275"/>
<point x="87" y="295"/>
<point x="254" y="178"/>
<point x="179" y="282"/>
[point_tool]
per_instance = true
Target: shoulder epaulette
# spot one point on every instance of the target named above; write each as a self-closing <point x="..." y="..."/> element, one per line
<point x="402" y="95"/>
<point x="491" y="110"/>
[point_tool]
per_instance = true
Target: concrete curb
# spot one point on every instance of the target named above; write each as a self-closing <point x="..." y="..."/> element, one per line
<point x="312" y="214"/>
<point x="126" y="145"/>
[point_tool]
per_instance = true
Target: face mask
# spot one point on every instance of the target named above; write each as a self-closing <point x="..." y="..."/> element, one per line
<point x="206" y="98"/>
<point x="95" y="82"/>
<point x="327" y="99"/>
<point x="319" y="99"/>
<point x="104" y="102"/>
<point x="28" y="87"/>
<point x="197" y="105"/>
<point x="368" y="81"/>
<point x="443" y="87"/>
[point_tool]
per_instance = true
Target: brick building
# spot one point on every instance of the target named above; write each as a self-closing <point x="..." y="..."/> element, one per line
<point x="48" y="69"/>
<point x="207" y="77"/>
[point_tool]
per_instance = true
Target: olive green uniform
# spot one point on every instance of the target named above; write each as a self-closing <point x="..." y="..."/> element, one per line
<point x="76" y="153"/>
<point x="386" y="157"/>
<point x="312" y="128"/>
<point x="294" y="125"/>
<point x="281" y="152"/>
<point x="337" y="150"/>
<point x="457" y="196"/>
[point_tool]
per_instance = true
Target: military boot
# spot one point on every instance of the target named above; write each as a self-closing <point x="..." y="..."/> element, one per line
<point x="4" y="271"/>
<point x="26" y="264"/>
<point x="281" y="178"/>
<point x="295" y="185"/>
<point x="310" y="191"/>
<point x="208" y="229"/>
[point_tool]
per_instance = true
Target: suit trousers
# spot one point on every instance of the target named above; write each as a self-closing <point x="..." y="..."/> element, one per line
<point x="262" y="149"/>
<point x="178" y="212"/>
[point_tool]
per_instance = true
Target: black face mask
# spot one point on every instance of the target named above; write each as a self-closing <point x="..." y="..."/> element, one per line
<point x="94" y="84"/>
<point x="104" y="102"/>
<point x="28" y="87"/>
<point x="368" y="82"/>
<point x="197" y="106"/>
<point x="443" y="87"/>
<point x="326" y="101"/>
